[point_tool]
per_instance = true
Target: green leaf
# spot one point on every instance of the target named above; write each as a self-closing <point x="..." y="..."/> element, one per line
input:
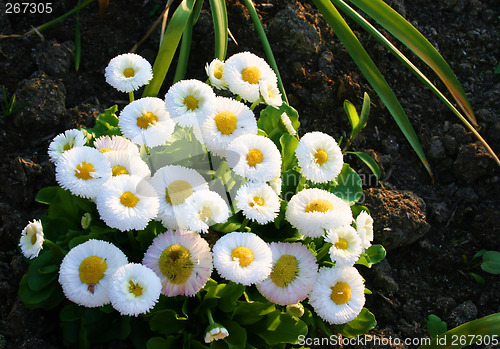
<point x="232" y="224"/>
<point x="369" y="161"/>
<point x="279" y="328"/>
<point x="168" y="46"/>
<point x="365" y="111"/>
<point x="479" y="279"/>
<point x="47" y="195"/>
<point x="237" y="335"/>
<point x="288" y="145"/>
<point x="161" y="343"/>
<point x="491" y="262"/>
<point x="106" y="124"/>
<point x="349" y="185"/>
<point x="250" y="313"/>
<point x="497" y="69"/>
<point x="167" y="322"/>
<point x="435" y="326"/>
<point x="289" y="182"/>
<point x="486" y="330"/>
<point x="352" y="115"/>
<point x="226" y="295"/>
<point x="395" y="24"/>
<point x="70" y="312"/>
<point x="371" y="73"/>
<point x="219" y="18"/>
<point x="363" y="323"/>
<point x="372" y="255"/>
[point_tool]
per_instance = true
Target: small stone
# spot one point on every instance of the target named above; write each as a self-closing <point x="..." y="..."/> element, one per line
<point x="463" y="313"/>
<point x="472" y="162"/>
<point x="383" y="277"/>
<point x="439" y="211"/>
<point x="436" y="149"/>
<point x="55" y="58"/>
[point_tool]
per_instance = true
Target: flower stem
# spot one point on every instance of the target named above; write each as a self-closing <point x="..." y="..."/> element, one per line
<point x="244" y="224"/>
<point x="55" y="247"/>
<point x="256" y="103"/>
<point x="210" y="318"/>
<point x="131" y="96"/>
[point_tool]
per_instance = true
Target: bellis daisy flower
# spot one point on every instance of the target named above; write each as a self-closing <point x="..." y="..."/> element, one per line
<point x="293" y="274"/>
<point x="270" y="93"/>
<point x="173" y="185"/>
<point x="182" y="261"/>
<point x="203" y="209"/>
<point x="127" y="202"/>
<point x="65" y="141"/>
<point x="189" y="102"/>
<point x="243" y="258"/>
<point x="243" y="73"/>
<point x="313" y="210"/>
<point x="338" y="295"/>
<point x="146" y="122"/>
<point x="215" y="72"/>
<point x="285" y="119"/>
<point x="364" y="227"/>
<point x="31" y="241"/>
<point x="128" y="72"/>
<point x="86" y="269"/>
<point x="214" y="332"/>
<point x="254" y="157"/>
<point x="107" y="144"/>
<point x="229" y="120"/>
<point x="134" y="289"/>
<point x="123" y="164"/>
<point x="319" y="156"/>
<point x="83" y="170"/>
<point x="346" y="245"/>
<point x="258" y="202"/>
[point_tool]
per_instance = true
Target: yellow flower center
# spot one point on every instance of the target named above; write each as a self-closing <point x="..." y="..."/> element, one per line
<point x="146" y="119"/>
<point x="129" y="73"/>
<point x="175" y="263"/>
<point x="226" y="122"/>
<point x="251" y="75"/>
<point x="341" y="293"/>
<point x="67" y="146"/>
<point x="218" y="73"/>
<point x="178" y="191"/>
<point x="285" y="270"/>
<point x="33" y="238"/>
<point x="321" y="156"/>
<point x="319" y="205"/>
<point x="243" y="254"/>
<point x="105" y="150"/>
<point x="191" y="102"/>
<point x="91" y="270"/>
<point x="119" y="170"/>
<point x="257" y="200"/>
<point x="342" y="244"/>
<point x="254" y="157"/>
<point x="128" y="199"/>
<point x="84" y="170"/>
<point x="135" y="289"/>
<point x="206" y="213"/>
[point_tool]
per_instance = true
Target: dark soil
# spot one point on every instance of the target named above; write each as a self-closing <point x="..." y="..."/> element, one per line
<point x="431" y="230"/>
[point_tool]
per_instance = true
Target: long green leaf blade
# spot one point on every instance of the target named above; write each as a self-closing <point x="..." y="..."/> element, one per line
<point x="372" y="74"/>
<point x="168" y="47"/>
<point x="483" y="329"/>
<point x="395" y="24"/>
<point x="219" y="17"/>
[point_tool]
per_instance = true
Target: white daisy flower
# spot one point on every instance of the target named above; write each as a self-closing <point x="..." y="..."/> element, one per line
<point x="243" y="258"/>
<point x="83" y="170"/>
<point x="276" y="185"/>
<point x="106" y="144"/>
<point x="173" y="185"/>
<point x="319" y="156"/>
<point x="190" y="102"/>
<point x="134" y="289"/>
<point x="293" y="275"/>
<point x="65" y="141"/>
<point x="32" y="239"/>
<point x="214" y="332"/>
<point x="128" y="72"/>
<point x="285" y="119"/>
<point x="313" y="210"/>
<point x="203" y="209"/>
<point x="182" y="260"/>
<point x="270" y="93"/>
<point x="243" y="73"/>
<point x="346" y="245"/>
<point x="258" y="201"/>
<point x="254" y="157"/>
<point x="229" y="120"/>
<point x="127" y="202"/>
<point x="86" y="270"/>
<point x="338" y="296"/>
<point x="123" y="164"/>
<point x="146" y="122"/>
<point x="364" y="227"/>
<point x="215" y="72"/>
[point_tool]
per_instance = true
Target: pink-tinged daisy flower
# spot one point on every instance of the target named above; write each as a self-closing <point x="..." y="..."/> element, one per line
<point x="293" y="274"/>
<point x="182" y="261"/>
<point x="338" y="295"/>
<point x="134" y="289"/>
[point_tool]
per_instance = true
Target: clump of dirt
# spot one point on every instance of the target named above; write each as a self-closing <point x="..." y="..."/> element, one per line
<point x="428" y="227"/>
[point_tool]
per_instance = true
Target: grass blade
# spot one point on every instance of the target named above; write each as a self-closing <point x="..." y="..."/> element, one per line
<point x="78" y="41"/>
<point x="219" y="17"/>
<point x="395" y="24"/>
<point x="168" y="47"/>
<point x="368" y="160"/>
<point x="372" y="74"/>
